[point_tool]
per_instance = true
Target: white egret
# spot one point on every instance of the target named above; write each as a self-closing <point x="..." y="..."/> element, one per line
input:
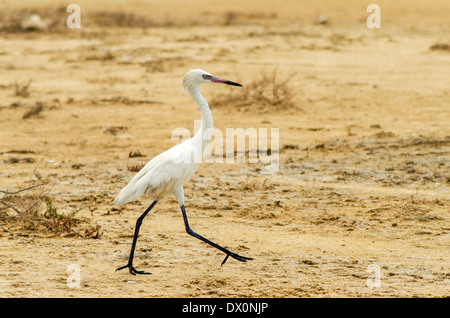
<point x="170" y="170"/>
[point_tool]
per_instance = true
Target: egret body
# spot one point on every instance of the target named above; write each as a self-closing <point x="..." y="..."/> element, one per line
<point x="170" y="170"/>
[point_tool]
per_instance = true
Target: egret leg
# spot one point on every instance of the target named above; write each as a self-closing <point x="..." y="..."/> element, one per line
<point x="133" y="246"/>
<point x="229" y="253"/>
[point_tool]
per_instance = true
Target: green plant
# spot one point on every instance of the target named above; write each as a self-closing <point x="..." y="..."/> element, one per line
<point x="59" y="222"/>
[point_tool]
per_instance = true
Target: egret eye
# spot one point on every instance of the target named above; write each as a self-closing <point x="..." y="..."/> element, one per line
<point x="206" y="76"/>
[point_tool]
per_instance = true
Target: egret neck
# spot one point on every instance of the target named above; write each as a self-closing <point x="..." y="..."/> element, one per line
<point x="203" y="137"/>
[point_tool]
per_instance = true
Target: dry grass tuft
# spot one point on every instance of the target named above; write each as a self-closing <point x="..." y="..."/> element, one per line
<point x="21" y="89"/>
<point x="442" y="46"/>
<point x="30" y="210"/>
<point x="24" y="203"/>
<point x="33" y="111"/>
<point x="135" y="168"/>
<point x="266" y="90"/>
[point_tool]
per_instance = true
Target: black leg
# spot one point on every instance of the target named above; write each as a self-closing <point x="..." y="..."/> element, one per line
<point x="133" y="246"/>
<point x="191" y="232"/>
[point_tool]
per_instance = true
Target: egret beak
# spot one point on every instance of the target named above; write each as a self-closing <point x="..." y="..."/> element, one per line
<point x="219" y="80"/>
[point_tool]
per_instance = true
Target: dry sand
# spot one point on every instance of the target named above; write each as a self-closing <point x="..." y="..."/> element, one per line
<point x="364" y="174"/>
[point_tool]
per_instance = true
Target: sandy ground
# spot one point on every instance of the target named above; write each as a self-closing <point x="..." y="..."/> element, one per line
<point x="364" y="172"/>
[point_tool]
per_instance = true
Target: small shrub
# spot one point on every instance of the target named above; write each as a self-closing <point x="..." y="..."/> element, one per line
<point x="266" y="90"/>
<point x="22" y="211"/>
<point x="21" y="89"/>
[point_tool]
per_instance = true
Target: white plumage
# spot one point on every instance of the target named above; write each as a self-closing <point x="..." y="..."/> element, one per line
<point x="170" y="170"/>
<point x="162" y="175"/>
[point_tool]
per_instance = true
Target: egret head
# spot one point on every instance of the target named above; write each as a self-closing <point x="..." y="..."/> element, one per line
<point x="194" y="78"/>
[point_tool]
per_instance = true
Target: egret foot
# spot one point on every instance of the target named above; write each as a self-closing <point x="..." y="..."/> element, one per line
<point x="132" y="270"/>
<point x="236" y="256"/>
